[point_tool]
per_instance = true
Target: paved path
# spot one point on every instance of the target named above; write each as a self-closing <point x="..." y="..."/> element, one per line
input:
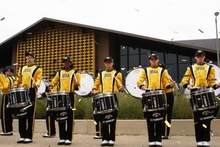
<point x="81" y="140"/>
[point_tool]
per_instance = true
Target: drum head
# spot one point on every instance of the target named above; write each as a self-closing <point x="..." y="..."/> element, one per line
<point x="131" y="83"/>
<point x="217" y="76"/>
<point x="41" y="89"/>
<point x="86" y="84"/>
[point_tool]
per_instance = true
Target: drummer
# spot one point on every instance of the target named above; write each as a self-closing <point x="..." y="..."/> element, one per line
<point x="155" y="78"/>
<point x="110" y="81"/>
<point x="201" y="75"/>
<point x="7" y="81"/>
<point x="28" y="76"/>
<point x="69" y="81"/>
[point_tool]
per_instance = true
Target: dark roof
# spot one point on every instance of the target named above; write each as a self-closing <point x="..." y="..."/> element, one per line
<point x="51" y="20"/>
<point x="203" y="43"/>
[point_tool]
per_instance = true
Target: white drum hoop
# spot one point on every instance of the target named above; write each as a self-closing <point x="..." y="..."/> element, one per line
<point x="131" y="83"/>
<point x="86" y="84"/>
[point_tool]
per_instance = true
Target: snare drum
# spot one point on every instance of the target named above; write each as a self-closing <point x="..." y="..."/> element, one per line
<point x="104" y="103"/>
<point x="131" y="83"/>
<point x="18" y="98"/>
<point x="86" y="83"/>
<point x="58" y="101"/>
<point x="153" y="100"/>
<point x="203" y="99"/>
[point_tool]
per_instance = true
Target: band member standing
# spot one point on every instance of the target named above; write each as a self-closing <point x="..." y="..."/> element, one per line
<point x="50" y="118"/>
<point x="156" y="78"/>
<point x="110" y="81"/>
<point x="68" y="80"/>
<point x="200" y="74"/>
<point x="6" y="113"/>
<point x="28" y="76"/>
<point x="168" y="114"/>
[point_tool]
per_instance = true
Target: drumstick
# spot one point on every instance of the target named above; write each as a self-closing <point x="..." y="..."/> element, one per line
<point x="172" y="81"/>
<point x="23" y="109"/>
<point x="120" y="84"/>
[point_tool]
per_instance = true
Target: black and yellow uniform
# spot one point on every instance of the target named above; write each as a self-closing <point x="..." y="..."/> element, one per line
<point x="168" y="114"/>
<point x="6" y="114"/>
<point x="155" y="78"/>
<point x="106" y="83"/>
<point x="29" y="77"/>
<point x="200" y="75"/>
<point x="67" y="79"/>
<point x="50" y="120"/>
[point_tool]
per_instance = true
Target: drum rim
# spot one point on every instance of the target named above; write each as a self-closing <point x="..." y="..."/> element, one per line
<point x="18" y="89"/>
<point x="103" y="95"/>
<point x="58" y="93"/>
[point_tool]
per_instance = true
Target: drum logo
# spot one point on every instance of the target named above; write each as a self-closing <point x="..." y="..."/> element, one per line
<point x="63" y="114"/>
<point x="205" y="113"/>
<point x="108" y="116"/>
<point x="157" y="114"/>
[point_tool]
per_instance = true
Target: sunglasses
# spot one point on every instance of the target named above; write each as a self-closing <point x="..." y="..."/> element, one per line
<point x="200" y="56"/>
<point x="153" y="59"/>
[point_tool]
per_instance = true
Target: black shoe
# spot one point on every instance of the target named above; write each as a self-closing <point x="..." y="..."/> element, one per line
<point x="27" y="140"/>
<point x="49" y="136"/>
<point x="97" y="137"/>
<point x="165" y="137"/>
<point x="21" y="140"/>
<point x="61" y="142"/>
<point x="6" y="134"/>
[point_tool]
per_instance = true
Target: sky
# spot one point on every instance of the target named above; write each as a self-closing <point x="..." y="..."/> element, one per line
<point x="170" y="20"/>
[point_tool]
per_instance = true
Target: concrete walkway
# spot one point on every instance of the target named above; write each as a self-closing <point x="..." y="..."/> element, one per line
<point x="84" y="140"/>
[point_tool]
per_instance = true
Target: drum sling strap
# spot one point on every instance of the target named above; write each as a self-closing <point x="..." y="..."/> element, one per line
<point x="100" y="73"/>
<point x="193" y="75"/>
<point x="145" y="69"/>
<point x="71" y="79"/>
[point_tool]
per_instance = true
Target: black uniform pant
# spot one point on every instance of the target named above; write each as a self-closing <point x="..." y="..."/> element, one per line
<point x="168" y="114"/>
<point x="154" y="130"/>
<point x="109" y="126"/>
<point x="50" y="123"/>
<point x="66" y="126"/>
<point x="26" y="123"/>
<point x="98" y="127"/>
<point x="6" y="115"/>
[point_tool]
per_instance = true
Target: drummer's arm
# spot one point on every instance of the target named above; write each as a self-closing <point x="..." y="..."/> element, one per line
<point x="212" y="79"/>
<point x="96" y="85"/>
<point x="77" y="81"/>
<point x="141" y="80"/>
<point x="54" y="81"/>
<point x="18" y="79"/>
<point x="185" y="82"/>
<point x="38" y="77"/>
<point x="5" y="82"/>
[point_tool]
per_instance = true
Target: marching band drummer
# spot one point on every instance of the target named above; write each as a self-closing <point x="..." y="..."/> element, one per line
<point x="69" y="81"/>
<point x="7" y="82"/>
<point x="50" y="118"/>
<point x="168" y="114"/>
<point x="110" y="81"/>
<point x="155" y="78"/>
<point x="29" y="76"/>
<point x="201" y="75"/>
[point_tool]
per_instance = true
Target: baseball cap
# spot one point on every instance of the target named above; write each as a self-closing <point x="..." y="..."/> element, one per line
<point x="199" y="52"/>
<point x="29" y="54"/>
<point x="9" y="68"/>
<point x="153" y="56"/>
<point x="66" y="58"/>
<point x="108" y="59"/>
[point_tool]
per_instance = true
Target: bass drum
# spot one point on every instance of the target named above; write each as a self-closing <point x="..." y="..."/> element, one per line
<point x="86" y="84"/>
<point x="217" y="76"/>
<point x="131" y="83"/>
<point x="42" y="89"/>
